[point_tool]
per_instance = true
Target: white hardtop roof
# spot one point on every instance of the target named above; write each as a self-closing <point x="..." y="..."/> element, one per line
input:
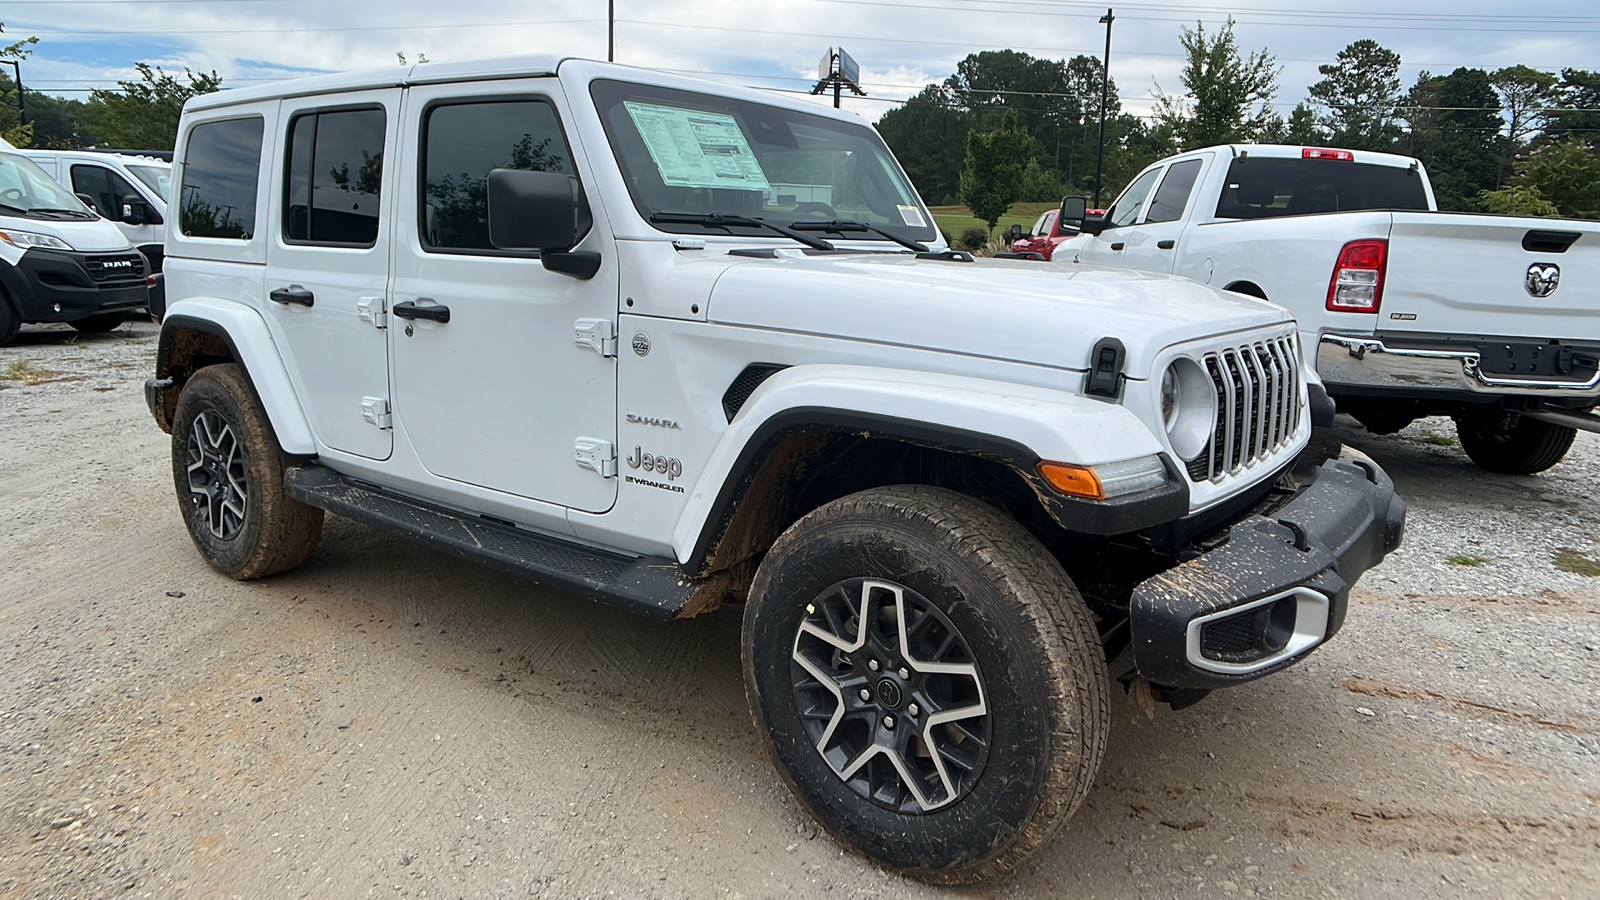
<point x="527" y="66"/>
<point x="1293" y="151"/>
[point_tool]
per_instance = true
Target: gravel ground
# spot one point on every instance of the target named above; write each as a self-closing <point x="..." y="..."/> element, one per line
<point x="389" y="722"/>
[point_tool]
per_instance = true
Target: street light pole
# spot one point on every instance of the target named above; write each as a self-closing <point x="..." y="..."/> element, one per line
<point x="22" y="103"/>
<point x="611" y="30"/>
<point x="1105" y="83"/>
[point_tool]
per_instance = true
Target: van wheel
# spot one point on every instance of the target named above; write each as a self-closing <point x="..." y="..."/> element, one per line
<point x="10" y="322"/>
<point x="99" y="324"/>
<point x="1523" y="448"/>
<point x="929" y="680"/>
<point x="228" y="473"/>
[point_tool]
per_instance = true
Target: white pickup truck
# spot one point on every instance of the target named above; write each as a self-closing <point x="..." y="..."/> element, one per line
<point x="1404" y="310"/>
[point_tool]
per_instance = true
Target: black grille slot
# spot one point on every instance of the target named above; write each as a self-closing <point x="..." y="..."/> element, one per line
<point x="1258" y="406"/>
<point x="122" y="267"/>
<point x="742" y="387"/>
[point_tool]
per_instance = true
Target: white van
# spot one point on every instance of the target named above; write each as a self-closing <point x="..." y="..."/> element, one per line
<point x="128" y="189"/>
<point x="59" y="261"/>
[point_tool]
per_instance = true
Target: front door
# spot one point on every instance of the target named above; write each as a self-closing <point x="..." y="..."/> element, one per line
<point x="500" y="395"/>
<point x="1105" y="248"/>
<point x="1152" y="245"/>
<point x="108" y="192"/>
<point x="328" y="262"/>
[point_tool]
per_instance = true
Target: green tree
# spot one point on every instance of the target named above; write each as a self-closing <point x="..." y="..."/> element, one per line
<point x="1227" y="97"/>
<point x="11" y="127"/>
<point x="928" y="134"/>
<point x="991" y="83"/>
<point x="1467" y="160"/>
<point x="996" y="165"/>
<point x="1524" y="94"/>
<point x="1358" y="96"/>
<point x="1575" y="110"/>
<point x="1517" y="200"/>
<point x="1567" y="173"/>
<point x="1302" y="127"/>
<point x="143" y="114"/>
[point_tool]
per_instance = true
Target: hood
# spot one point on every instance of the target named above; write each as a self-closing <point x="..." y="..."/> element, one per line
<point x="84" y="235"/>
<point x="1002" y="309"/>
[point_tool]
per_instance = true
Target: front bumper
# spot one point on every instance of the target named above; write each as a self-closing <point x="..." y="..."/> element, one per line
<point x="1346" y="361"/>
<point x="1276" y="587"/>
<point x="63" y="286"/>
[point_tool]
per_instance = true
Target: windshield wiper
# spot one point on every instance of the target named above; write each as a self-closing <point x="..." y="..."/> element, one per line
<point x="73" y="213"/>
<point x="840" y="226"/>
<point x="717" y="220"/>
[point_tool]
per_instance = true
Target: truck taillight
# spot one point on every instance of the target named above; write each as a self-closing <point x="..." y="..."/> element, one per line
<point x="1357" y="283"/>
<point x="1325" y="153"/>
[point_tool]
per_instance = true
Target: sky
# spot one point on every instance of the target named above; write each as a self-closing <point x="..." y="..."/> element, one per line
<point x="901" y="45"/>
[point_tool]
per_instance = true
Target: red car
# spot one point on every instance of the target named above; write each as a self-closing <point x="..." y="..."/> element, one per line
<point x="1045" y="236"/>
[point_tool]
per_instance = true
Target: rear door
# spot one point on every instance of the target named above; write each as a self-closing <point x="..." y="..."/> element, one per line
<point x="1492" y="275"/>
<point x="1152" y="244"/>
<point x="328" y="261"/>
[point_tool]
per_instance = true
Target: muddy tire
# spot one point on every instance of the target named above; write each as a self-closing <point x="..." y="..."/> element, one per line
<point x="930" y="682"/>
<point x="228" y="474"/>
<point x="99" y="324"/>
<point x="1527" y="447"/>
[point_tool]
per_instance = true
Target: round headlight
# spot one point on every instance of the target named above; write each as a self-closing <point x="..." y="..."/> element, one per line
<point x="1188" y="407"/>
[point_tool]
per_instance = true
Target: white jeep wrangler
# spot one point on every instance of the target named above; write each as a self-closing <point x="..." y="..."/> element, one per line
<point x="670" y="343"/>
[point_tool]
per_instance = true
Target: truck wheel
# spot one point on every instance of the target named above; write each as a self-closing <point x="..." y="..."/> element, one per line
<point x="1527" y="447"/>
<point x="930" y="682"/>
<point x="10" y="322"/>
<point x="99" y="324"/>
<point x="228" y="473"/>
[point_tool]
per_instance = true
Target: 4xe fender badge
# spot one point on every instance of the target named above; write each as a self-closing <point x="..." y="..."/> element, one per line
<point x="1543" y="279"/>
<point x="641" y="344"/>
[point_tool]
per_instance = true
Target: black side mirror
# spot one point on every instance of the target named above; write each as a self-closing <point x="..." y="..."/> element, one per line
<point x="1017" y="232"/>
<point x="133" y="213"/>
<point x="538" y="211"/>
<point x="1073" y="211"/>
<point x="86" y="200"/>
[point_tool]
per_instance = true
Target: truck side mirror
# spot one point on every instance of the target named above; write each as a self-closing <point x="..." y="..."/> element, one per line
<point x="1075" y="216"/>
<point x="538" y="211"/>
<point x="86" y="200"/>
<point x="1017" y="232"/>
<point x="133" y="213"/>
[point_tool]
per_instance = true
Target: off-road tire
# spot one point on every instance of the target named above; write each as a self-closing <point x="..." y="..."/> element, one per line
<point x="99" y="324"/>
<point x="1530" y="446"/>
<point x="274" y="533"/>
<point x="1030" y="634"/>
<point x="10" y="322"/>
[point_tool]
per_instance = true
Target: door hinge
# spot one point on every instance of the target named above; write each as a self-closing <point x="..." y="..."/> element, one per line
<point x="376" y="411"/>
<point x="596" y="455"/>
<point x="599" y="335"/>
<point x="374" y="310"/>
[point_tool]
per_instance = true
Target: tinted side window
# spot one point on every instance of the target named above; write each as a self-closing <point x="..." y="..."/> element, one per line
<point x="1173" y="194"/>
<point x="221" y="169"/>
<point x="1127" y="207"/>
<point x="1260" y="188"/>
<point x="462" y="142"/>
<point x="106" y="190"/>
<point x="333" y="177"/>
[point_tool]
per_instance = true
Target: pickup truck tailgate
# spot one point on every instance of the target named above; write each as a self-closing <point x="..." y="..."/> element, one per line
<point x="1492" y="276"/>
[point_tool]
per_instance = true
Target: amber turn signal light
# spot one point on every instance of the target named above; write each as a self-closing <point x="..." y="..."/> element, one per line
<point x="1074" y="481"/>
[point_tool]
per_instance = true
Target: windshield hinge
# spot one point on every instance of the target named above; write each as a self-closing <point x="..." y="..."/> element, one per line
<point x="374" y="310"/>
<point x="689" y="244"/>
<point x="599" y="335"/>
<point x="597" y="455"/>
<point x="1105" y="368"/>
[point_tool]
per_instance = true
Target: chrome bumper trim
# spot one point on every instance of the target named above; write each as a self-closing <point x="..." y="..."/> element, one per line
<point x="1369" y="362"/>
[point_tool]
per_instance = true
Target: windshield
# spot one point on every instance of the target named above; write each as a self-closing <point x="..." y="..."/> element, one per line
<point x="1260" y="188"/>
<point x="24" y="186"/>
<point x="683" y="152"/>
<point x="156" y="178"/>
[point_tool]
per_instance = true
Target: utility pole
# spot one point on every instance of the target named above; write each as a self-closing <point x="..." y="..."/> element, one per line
<point x="611" y="30"/>
<point x="22" y="103"/>
<point x="1105" y="83"/>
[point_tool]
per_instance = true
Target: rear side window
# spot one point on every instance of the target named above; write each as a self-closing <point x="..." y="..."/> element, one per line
<point x="1173" y="194"/>
<point x="333" y="177"/>
<point x="462" y="142"/>
<point x="1260" y="188"/>
<point x="221" y="170"/>
<point x="106" y="190"/>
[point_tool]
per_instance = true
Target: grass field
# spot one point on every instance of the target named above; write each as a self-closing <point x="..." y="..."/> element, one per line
<point x="956" y="219"/>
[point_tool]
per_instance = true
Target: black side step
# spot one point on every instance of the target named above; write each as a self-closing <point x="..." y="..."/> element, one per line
<point x="652" y="586"/>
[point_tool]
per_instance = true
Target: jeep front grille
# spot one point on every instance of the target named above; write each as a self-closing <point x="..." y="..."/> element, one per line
<point x="1258" y="405"/>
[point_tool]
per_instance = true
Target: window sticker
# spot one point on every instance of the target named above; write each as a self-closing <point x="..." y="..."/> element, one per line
<point x="911" y="216"/>
<point x="692" y="148"/>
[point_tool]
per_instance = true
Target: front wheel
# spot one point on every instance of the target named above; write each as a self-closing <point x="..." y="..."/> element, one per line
<point x="228" y="473"/>
<point x="1521" y="446"/>
<point x="930" y="682"/>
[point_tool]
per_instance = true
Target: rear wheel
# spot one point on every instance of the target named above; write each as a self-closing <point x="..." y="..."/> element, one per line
<point x="930" y="682"/>
<point x="99" y="324"/>
<point x="1513" y="444"/>
<point x="228" y="473"/>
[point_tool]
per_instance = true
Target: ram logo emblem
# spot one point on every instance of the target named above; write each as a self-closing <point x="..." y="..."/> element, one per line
<point x="1542" y="279"/>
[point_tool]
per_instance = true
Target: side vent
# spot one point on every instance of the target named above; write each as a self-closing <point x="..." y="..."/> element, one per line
<point x="742" y="387"/>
